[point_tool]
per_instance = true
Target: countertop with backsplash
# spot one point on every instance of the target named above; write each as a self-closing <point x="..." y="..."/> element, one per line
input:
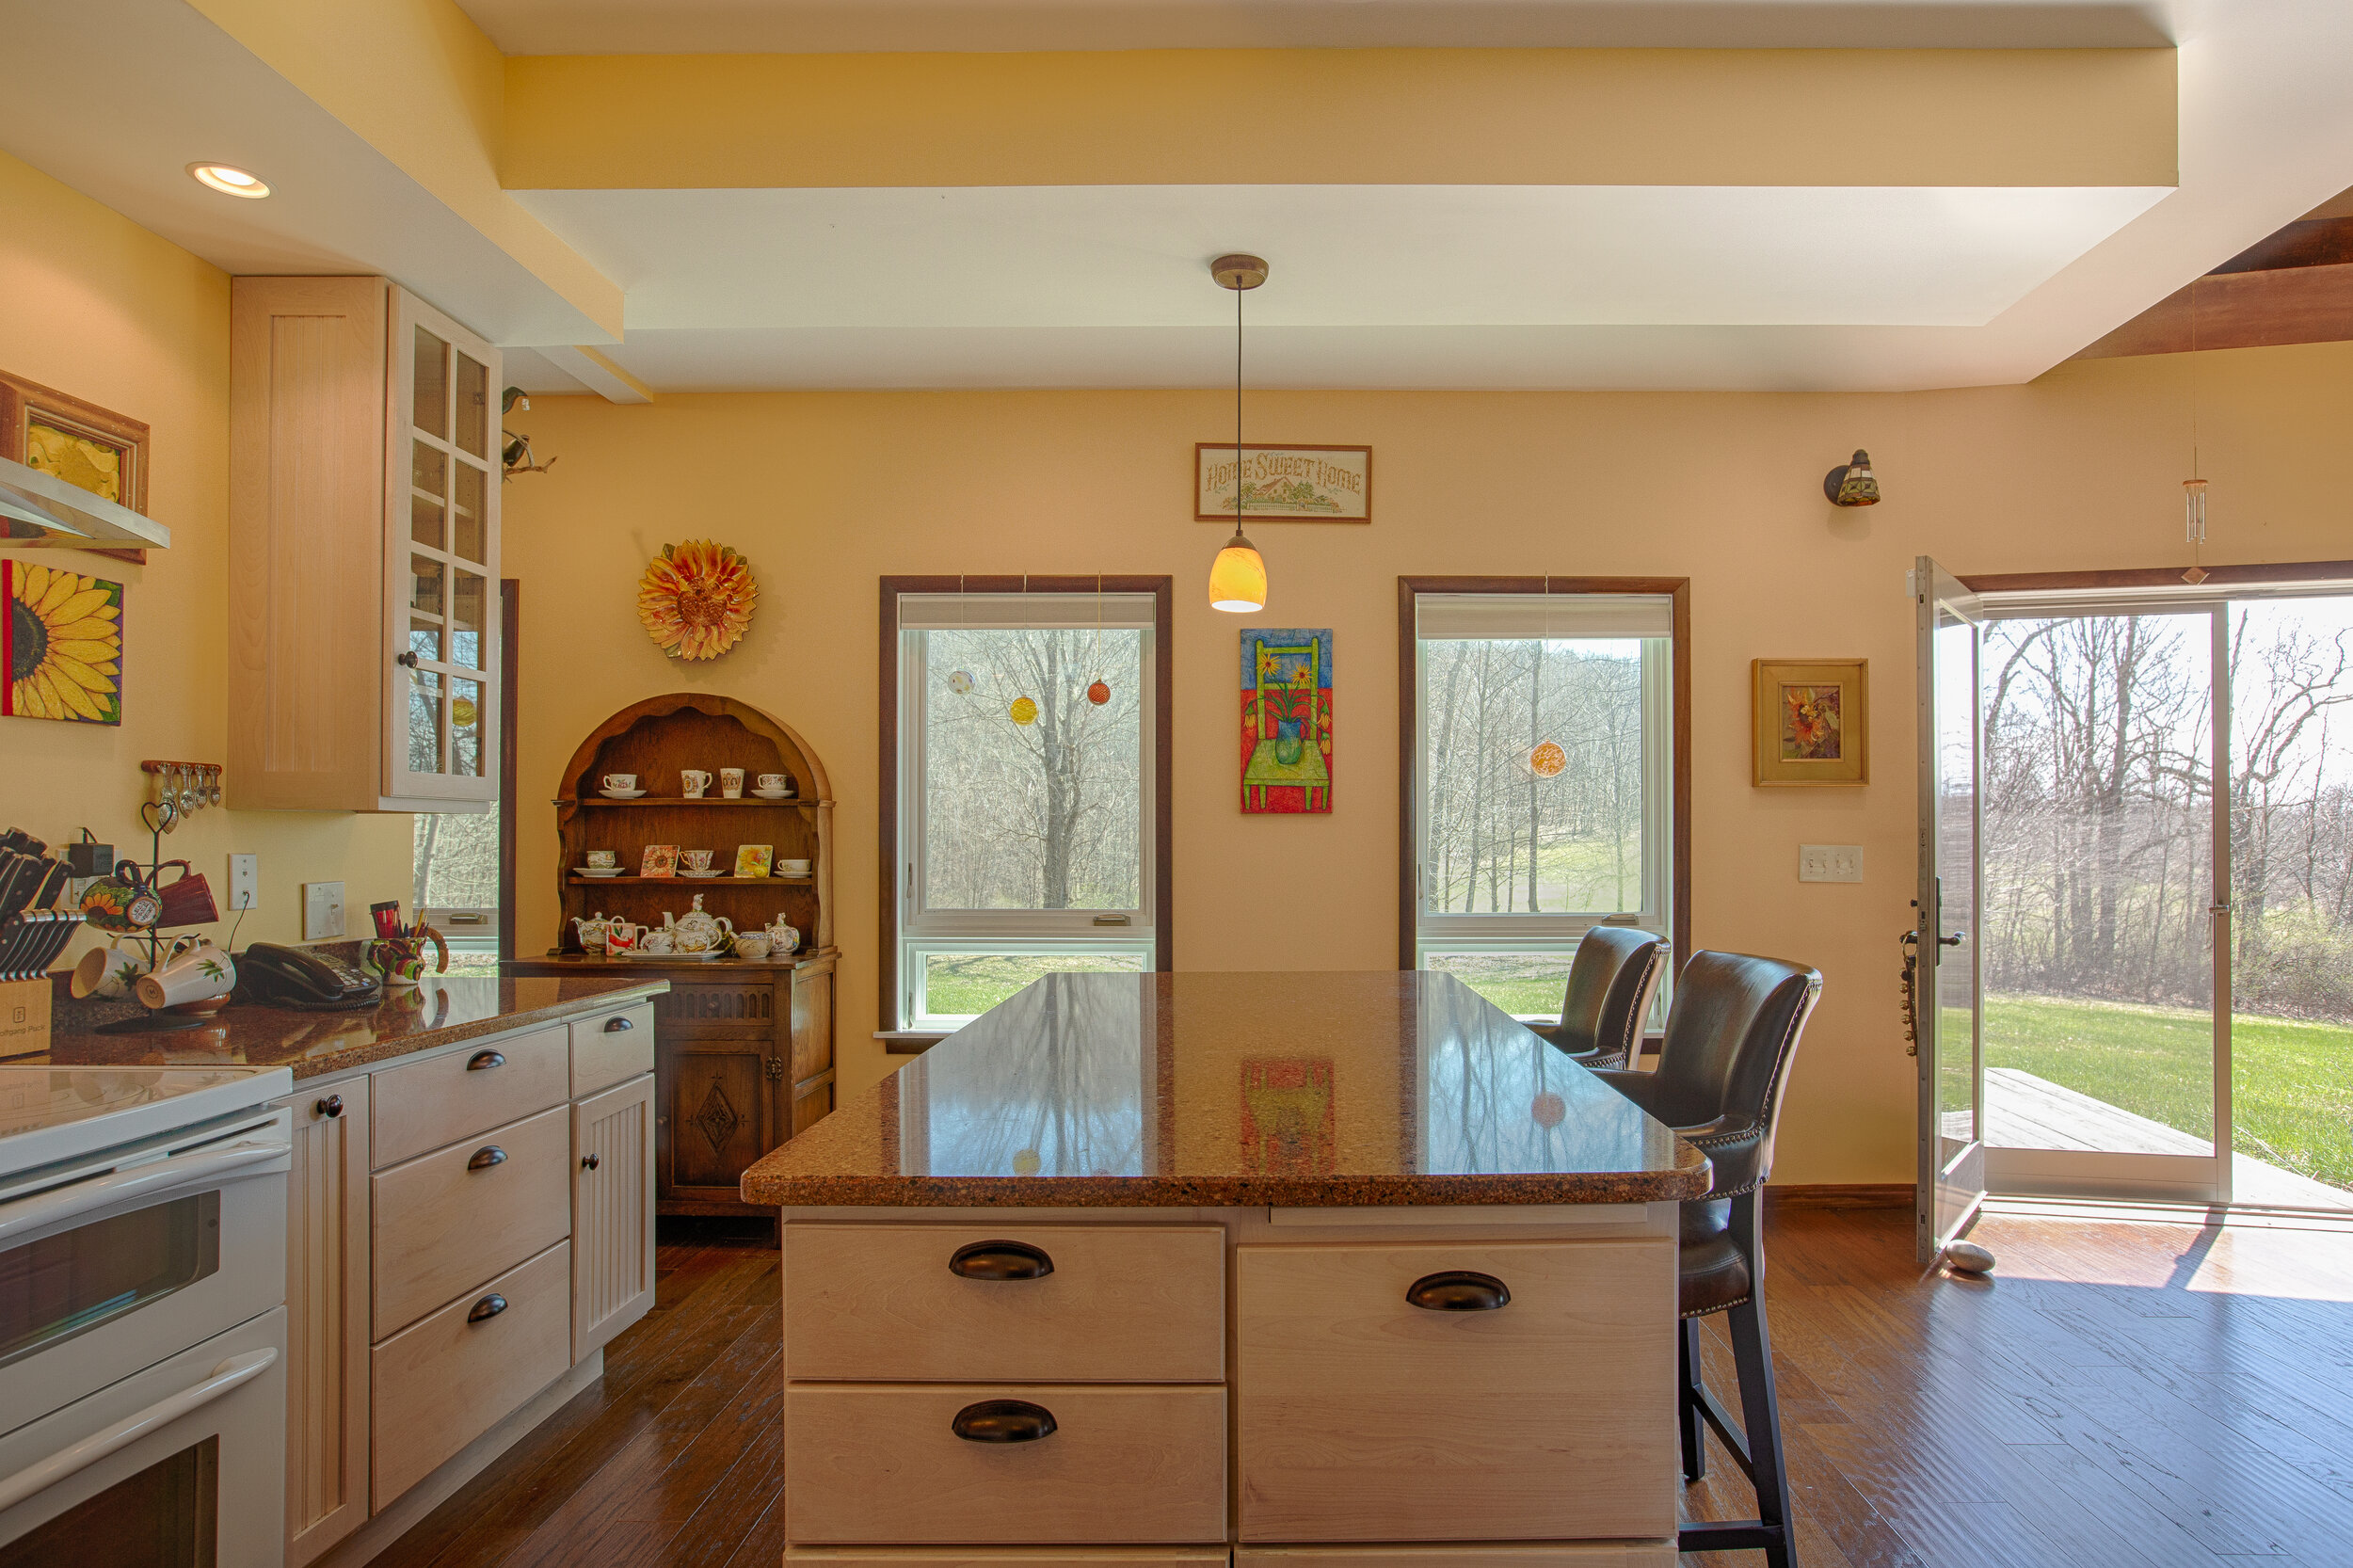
<point x="441" y="1011"/>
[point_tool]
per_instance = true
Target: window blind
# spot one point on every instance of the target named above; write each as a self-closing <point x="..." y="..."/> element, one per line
<point x="993" y="611"/>
<point x="1558" y="616"/>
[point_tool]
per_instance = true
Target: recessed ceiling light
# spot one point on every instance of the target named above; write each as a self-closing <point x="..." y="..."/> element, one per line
<point x="229" y="180"/>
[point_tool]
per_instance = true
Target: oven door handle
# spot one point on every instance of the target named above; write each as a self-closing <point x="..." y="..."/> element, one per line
<point x="140" y="1181"/>
<point x="233" y="1373"/>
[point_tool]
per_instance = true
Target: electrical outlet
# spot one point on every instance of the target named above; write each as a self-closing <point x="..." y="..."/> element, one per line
<point x="244" y="881"/>
<point x="1829" y="862"/>
<point x="322" y="910"/>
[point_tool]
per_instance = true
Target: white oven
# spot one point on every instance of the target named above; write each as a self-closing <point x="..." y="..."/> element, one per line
<point x="142" y="1324"/>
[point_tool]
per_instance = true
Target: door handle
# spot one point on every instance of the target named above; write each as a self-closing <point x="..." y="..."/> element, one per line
<point x="333" y="1106"/>
<point x="1952" y="941"/>
<point x="484" y="1059"/>
<point x="1459" y="1291"/>
<point x="999" y="1261"/>
<point x="140" y="1181"/>
<point x="1004" y="1421"/>
<point x="614" y="1026"/>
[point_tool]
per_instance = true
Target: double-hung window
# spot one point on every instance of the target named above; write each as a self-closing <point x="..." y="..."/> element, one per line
<point x="1027" y="812"/>
<point x="1543" y="782"/>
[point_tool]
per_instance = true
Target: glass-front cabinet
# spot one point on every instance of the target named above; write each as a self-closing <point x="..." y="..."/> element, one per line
<point x="442" y="565"/>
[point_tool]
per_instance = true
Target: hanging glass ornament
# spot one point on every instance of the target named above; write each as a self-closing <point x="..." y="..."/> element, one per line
<point x="1546" y="759"/>
<point x="1026" y="1161"/>
<point x="960" y="682"/>
<point x="1024" y="711"/>
<point x="1099" y="693"/>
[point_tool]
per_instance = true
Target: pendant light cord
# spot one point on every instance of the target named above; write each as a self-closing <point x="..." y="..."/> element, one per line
<point x="1238" y="501"/>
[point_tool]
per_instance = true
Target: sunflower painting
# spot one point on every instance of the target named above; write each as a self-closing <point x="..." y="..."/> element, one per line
<point x="696" y="598"/>
<point x="61" y="644"/>
<point x="1810" y="721"/>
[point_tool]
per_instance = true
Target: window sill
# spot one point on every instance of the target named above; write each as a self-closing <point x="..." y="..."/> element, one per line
<point x="909" y="1042"/>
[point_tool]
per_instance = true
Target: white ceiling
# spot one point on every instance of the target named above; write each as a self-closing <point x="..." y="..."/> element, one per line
<point x="816" y="27"/>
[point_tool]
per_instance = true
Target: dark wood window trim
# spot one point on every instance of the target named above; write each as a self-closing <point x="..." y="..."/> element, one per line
<point x="887" y="773"/>
<point x="2159" y="577"/>
<point x="1408" y="694"/>
<point x="510" y="746"/>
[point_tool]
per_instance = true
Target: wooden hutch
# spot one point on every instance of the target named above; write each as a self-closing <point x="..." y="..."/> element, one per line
<point x="743" y="1048"/>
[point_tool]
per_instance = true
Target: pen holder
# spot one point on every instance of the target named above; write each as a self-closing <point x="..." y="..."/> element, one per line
<point x="401" y="959"/>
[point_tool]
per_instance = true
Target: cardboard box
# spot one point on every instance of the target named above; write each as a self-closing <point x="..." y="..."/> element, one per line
<point x="24" y="1017"/>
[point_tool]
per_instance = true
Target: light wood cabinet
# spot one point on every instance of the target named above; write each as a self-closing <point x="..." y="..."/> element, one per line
<point x="363" y="558"/>
<point x="326" y="1320"/>
<point x="449" y="1220"/>
<point x="612" y="1245"/>
<point x="427" y="1104"/>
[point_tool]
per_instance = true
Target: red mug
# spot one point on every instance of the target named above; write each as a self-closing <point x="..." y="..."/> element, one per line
<point x="188" y="901"/>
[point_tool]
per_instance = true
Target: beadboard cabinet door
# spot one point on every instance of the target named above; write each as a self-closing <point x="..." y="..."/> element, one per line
<point x="612" y="1245"/>
<point x="326" y="1318"/>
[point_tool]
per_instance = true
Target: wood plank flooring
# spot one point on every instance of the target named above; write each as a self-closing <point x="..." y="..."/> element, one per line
<point x="2118" y="1395"/>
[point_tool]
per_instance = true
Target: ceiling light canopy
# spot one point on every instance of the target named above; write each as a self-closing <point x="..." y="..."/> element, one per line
<point x="229" y="180"/>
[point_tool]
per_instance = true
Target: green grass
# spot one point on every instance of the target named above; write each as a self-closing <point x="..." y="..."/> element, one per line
<point x="960" y="984"/>
<point x="2292" y="1081"/>
<point x="1578" y="873"/>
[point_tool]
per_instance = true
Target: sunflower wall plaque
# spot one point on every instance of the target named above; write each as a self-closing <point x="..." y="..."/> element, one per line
<point x="60" y="644"/>
<point x="696" y="598"/>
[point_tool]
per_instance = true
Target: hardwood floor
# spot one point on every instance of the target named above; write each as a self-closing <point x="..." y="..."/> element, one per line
<point x="2118" y="1395"/>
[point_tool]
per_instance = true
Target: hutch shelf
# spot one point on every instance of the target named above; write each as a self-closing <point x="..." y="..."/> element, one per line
<point x="743" y="1048"/>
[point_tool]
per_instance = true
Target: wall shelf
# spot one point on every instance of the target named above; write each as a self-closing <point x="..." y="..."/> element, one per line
<point x="696" y="882"/>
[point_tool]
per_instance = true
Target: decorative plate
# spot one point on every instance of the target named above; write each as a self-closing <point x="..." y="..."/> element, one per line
<point x="696" y="598"/>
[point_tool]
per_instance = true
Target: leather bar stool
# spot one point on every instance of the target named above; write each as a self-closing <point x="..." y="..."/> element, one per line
<point x="1731" y="1036"/>
<point x="1611" y="980"/>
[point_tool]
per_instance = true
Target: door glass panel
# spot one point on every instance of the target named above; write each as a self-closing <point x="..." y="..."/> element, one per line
<point x="164" y="1517"/>
<point x="432" y="393"/>
<point x="424" y="722"/>
<point x="1956" y="886"/>
<point x="466" y="507"/>
<point x="467" y="604"/>
<point x="428" y="467"/>
<point x="424" y="522"/>
<point x="465" y="727"/>
<point x="2098" y="867"/>
<point x="473" y="406"/>
<point x="70" y="1283"/>
<point x="424" y="638"/>
<point x="2292" y="902"/>
<point x="425" y="584"/>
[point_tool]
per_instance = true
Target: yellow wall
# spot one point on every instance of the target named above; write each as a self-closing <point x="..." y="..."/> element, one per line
<point x="825" y="491"/>
<point x="98" y="307"/>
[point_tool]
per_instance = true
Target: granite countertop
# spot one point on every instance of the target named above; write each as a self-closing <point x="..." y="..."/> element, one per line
<point x="440" y="1012"/>
<point x="1230" y="1090"/>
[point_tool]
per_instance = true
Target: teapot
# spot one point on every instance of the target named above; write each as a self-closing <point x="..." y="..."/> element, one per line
<point x="782" y="936"/>
<point x="593" y="930"/>
<point x="698" y="931"/>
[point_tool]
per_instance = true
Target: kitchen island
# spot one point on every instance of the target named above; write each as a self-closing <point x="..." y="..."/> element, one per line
<point x="1319" y="1270"/>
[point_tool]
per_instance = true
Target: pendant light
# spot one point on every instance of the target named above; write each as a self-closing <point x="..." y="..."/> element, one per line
<point x="1237" y="576"/>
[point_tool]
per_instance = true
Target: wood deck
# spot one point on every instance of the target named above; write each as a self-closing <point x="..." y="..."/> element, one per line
<point x="2120" y="1395"/>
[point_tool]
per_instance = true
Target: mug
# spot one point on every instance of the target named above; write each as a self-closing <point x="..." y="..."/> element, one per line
<point x="752" y="944"/>
<point x="108" y="971"/>
<point x="695" y="782"/>
<point x="195" y="971"/>
<point x="773" y="781"/>
<point x="620" y="781"/>
<point x="656" y="941"/>
<point x="121" y="903"/>
<point x="622" y="935"/>
<point x="695" y="859"/>
<point x="732" y="783"/>
<point x="188" y="901"/>
<point x="604" y="859"/>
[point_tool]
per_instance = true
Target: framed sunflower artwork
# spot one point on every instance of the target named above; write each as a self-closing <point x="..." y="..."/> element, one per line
<point x="60" y="644"/>
<point x="92" y="448"/>
<point x="1810" y="721"/>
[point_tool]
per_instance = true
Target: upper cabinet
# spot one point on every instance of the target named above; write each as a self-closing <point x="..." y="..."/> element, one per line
<point x="363" y="487"/>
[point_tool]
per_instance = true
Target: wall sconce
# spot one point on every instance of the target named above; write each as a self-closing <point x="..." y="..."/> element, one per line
<point x="1852" y="484"/>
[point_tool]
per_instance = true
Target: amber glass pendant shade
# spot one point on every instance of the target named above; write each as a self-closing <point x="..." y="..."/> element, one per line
<point x="1238" y="577"/>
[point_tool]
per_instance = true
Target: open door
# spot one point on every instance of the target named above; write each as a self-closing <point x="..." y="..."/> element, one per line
<point x="1950" y="1022"/>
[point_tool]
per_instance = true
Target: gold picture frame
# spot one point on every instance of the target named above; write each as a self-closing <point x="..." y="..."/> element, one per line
<point x="93" y="448"/>
<point x="1810" y="721"/>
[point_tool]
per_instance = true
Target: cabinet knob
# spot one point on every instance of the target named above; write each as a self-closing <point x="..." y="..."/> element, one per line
<point x="1459" y="1291"/>
<point x="614" y="1026"/>
<point x="1004" y="1421"/>
<point x="406" y="661"/>
<point x="589" y="1162"/>
<point x="1000" y="1260"/>
<point x="487" y="1309"/>
<point x="332" y="1106"/>
<point x="485" y="1059"/>
<point x="485" y="1157"/>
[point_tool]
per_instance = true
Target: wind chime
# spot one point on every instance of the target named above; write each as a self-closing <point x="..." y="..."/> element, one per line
<point x="1548" y="760"/>
<point x="2194" y="488"/>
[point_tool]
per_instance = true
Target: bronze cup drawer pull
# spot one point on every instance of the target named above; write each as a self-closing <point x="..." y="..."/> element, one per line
<point x="1459" y="1291"/>
<point x="483" y="1059"/>
<point x="485" y="1157"/>
<point x="1002" y="1260"/>
<point x="614" y="1026"/>
<point x="487" y="1309"/>
<point x="1004" y="1421"/>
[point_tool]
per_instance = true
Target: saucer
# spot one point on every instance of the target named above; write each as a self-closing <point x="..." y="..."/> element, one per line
<point x="683" y="872"/>
<point x="774" y="795"/>
<point x="621" y="795"/>
<point x="595" y="870"/>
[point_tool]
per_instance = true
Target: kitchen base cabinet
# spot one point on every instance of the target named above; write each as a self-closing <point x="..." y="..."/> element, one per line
<point x="1016" y="1556"/>
<point x="612" y="1245"/>
<point x="326" y="1318"/>
<point x="1551" y="1554"/>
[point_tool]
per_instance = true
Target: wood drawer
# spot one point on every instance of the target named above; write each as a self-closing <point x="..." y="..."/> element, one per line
<point x="423" y="1105"/>
<point x="1011" y="1557"/>
<point x="870" y="1463"/>
<point x="1124" y="1303"/>
<point x="437" y="1387"/>
<point x="442" y="1226"/>
<point x="1362" y="1418"/>
<point x="610" y="1047"/>
<point x="1545" y="1554"/>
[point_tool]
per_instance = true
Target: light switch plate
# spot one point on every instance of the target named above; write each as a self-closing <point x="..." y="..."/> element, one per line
<point x="1829" y="862"/>
<point x="244" y="881"/>
<point x="322" y="910"/>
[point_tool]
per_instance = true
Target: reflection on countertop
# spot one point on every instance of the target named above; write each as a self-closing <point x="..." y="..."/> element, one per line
<point x="436" y="1012"/>
<point x="1173" y="1090"/>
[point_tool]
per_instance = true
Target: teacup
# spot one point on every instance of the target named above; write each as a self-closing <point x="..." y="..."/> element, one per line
<point x="695" y="859"/>
<point x="732" y="783"/>
<point x="604" y="859"/>
<point x="620" y="781"/>
<point x="693" y="782"/>
<point x="776" y="781"/>
<point x="752" y="944"/>
<point x="654" y="941"/>
<point x="195" y="971"/>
